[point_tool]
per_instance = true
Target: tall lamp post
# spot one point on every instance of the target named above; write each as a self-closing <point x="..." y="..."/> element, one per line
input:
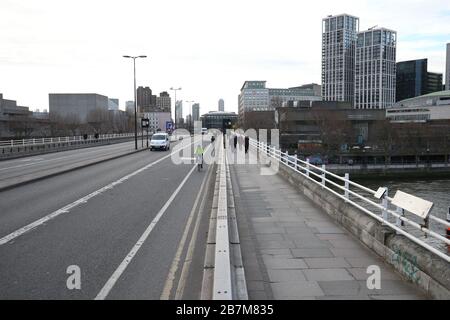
<point x="135" y="102"/>
<point x="175" y="92"/>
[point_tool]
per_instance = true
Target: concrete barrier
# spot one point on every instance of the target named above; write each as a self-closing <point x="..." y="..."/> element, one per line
<point x="424" y="269"/>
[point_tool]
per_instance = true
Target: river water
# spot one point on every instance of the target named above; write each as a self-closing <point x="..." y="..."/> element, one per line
<point x="434" y="190"/>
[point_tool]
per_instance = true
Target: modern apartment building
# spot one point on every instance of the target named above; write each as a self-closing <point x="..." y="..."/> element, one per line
<point x="178" y="112"/>
<point x="163" y="102"/>
<point x="375" y="69"/>
<point x="146" y="101"/>
<point x="339" y="34"/>
<point x="195" y="112"/>
<point x="413" y="79"/>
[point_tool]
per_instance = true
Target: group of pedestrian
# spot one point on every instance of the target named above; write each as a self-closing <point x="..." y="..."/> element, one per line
<point x="235" y="139"/>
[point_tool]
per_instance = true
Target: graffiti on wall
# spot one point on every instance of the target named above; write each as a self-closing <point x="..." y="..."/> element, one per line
<point x="406" y="263"/>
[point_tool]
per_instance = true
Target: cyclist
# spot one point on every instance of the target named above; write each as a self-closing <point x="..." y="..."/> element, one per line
<point x="213" y="145"/>
<point x="199" y="156"/>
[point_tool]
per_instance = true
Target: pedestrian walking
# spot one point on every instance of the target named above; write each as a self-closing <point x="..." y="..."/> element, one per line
<point x="247" y="143"/>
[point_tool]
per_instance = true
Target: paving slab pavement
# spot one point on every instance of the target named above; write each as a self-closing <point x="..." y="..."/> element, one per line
<point x="294" y="250"/>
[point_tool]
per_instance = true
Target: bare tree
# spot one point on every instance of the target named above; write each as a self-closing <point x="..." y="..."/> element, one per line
<point x="334" y="130"/>
<point x="387" y="138"/>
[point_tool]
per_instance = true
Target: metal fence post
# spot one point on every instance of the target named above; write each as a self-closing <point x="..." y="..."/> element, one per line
<point x="295" y="161"/>
<point x="323" y="175"/>
<point x="347" y="184"/>
<point x="384" y="203"/>
<point x="447" y="232"/>
<point x="307" y="167"/>
<point x="399" y="221"/>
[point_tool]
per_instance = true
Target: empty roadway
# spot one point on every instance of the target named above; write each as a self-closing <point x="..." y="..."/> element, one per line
<point x="97" y="235"/>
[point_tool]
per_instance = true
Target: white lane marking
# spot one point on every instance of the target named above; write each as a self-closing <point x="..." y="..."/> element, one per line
<point x="53" y="159"/>
<point x="33" y="159"/>
<point x="116" y="275"/>
<point x="165" y="295"/>
<point x="76" y="203"/>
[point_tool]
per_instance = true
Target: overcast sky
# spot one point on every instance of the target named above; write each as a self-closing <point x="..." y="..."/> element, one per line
<point x="209" y="48"/>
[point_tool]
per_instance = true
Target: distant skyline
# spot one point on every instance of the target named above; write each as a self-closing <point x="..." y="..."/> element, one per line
<point x="208" y="48"/>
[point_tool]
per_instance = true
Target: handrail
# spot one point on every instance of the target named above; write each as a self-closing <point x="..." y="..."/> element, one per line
<point x="41" y="141"/>
<point x="309" y="169"/>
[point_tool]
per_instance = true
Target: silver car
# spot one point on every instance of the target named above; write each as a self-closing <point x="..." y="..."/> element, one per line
<point x="160" y="141"/>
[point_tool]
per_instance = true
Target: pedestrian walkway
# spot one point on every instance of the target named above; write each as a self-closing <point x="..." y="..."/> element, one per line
<point x="293" y="250"/>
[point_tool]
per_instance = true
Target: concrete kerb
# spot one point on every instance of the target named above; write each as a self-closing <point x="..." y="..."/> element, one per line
<point x="415" y="264"/>
<point x="59" y="172"/>
<point x="239" y="286"/>
<point x="237" y="270"/>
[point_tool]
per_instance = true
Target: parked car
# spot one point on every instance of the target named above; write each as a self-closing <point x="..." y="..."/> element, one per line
<point x="160" y="141"/>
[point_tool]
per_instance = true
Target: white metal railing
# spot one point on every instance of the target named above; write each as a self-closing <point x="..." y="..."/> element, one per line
<point x="43" y="141"/>
<point x="309" y="171"/>
<point x="392" y="166"/>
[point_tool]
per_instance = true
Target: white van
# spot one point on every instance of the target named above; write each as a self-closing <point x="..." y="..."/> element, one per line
<point x="160" y="141"/>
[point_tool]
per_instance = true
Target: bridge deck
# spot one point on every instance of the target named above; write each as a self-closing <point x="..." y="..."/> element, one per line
<point x="294" y="250"/>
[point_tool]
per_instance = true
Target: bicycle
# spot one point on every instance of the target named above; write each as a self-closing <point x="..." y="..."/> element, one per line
<point x="199" y="159"/>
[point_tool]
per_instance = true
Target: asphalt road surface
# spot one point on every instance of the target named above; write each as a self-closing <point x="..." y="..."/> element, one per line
<point x="121" y="222"/>
<point x="15" y="168"/>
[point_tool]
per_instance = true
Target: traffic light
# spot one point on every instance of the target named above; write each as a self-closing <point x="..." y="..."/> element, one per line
<point x="226" y="124"/>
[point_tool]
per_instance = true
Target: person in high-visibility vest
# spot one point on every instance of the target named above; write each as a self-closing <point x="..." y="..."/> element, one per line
<point x="199" y="155"/>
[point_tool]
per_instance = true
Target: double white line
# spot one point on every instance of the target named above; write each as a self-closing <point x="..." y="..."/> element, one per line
<point x="129" y="257"/>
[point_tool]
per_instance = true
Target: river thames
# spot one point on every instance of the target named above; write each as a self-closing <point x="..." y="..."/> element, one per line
<point x="434" y="190"/>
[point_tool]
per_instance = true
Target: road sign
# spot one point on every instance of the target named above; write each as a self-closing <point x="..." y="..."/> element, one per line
<point x="169" y="126"/>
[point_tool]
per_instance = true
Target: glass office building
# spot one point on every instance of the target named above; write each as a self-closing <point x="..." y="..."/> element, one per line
<point x="413" y="79"/>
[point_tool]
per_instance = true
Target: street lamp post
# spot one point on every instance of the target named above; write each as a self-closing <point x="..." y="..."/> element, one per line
<point x="135" y="100"/>
<point x="175" y="92"/>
